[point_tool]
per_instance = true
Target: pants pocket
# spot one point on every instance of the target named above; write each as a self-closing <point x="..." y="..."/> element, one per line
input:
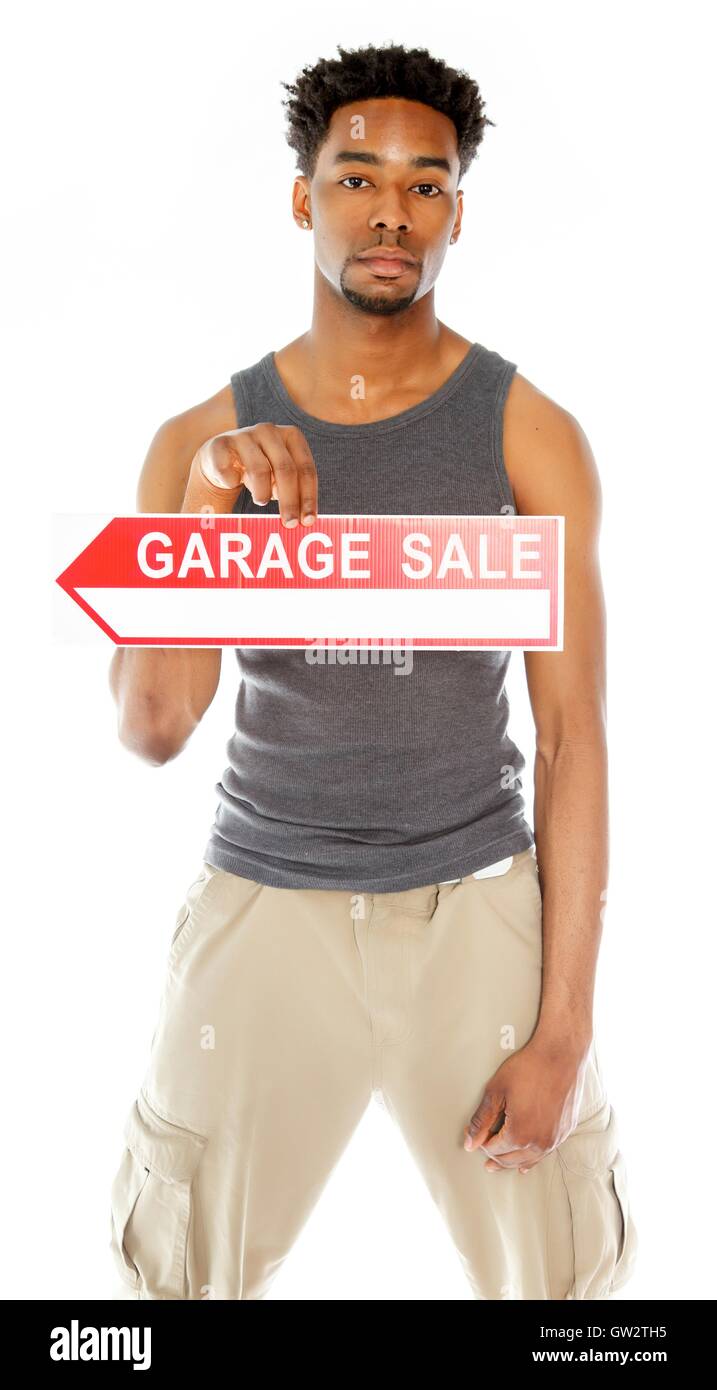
<point x="152" y="1204"/>
<point x="592" y="1239"/>
<point x="187" y="916"/>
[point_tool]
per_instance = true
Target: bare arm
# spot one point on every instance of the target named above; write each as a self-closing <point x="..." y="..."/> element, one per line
<point x="199" y="461"/>
<point x="161" y="693"/>
<point x="539" y="1088"/>
<point x="554" y="473"/>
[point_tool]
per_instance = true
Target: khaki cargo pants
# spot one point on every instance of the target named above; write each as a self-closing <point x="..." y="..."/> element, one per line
<point x="283" y="1011"/>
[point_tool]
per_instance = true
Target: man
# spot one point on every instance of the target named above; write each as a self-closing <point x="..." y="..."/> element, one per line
<point x="369" y="917"/>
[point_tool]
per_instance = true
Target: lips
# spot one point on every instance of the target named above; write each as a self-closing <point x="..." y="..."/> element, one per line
<point x="389" y="269"/>
<point x="388" y="262"/>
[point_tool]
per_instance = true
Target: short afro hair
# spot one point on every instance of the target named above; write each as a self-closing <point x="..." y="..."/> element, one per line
<point x="392" y="71"/>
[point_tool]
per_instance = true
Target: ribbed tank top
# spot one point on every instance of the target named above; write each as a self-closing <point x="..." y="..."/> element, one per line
<point x="352" y="776"/>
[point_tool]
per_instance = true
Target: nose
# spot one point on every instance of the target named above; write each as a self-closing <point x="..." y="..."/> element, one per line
<point x="394" y="225"/>
<point x="391" y="215"/>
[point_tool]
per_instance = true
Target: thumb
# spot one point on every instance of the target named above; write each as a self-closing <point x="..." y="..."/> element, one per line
<point x="484" y="1120"/>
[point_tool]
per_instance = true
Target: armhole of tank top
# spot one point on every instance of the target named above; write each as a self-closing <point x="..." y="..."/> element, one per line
<point x="242" y="409"/>
<point x="504" y="483"/>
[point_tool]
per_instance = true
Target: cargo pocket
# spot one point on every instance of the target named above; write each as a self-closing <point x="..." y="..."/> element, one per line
<point x="152" y="1204"/>
<point x="592" y="1239"/>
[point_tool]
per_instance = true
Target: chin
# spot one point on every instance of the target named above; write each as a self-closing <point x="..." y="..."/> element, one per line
<point x="378" y="304"/>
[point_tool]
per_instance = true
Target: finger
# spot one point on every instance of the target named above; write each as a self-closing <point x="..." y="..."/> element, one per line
<point x="256" y="469"/>
<point x="522" y="1159"/>
<point x="303" y="458"/>
<point x="269" y="438"/>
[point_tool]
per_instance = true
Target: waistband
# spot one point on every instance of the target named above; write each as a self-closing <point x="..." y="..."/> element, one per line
<point x="424" y="901"/>
<point x="501" y="866"/>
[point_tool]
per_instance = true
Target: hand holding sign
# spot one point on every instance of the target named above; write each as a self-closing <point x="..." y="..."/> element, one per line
<point x="271" y="461"/>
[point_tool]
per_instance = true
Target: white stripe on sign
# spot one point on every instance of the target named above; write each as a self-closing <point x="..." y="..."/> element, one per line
<point x="333" y="613"/>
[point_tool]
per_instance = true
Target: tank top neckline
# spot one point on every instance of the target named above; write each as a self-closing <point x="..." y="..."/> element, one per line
<point x="371" y="427"/>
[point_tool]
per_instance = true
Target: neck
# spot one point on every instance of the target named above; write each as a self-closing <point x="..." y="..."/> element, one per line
<point x="344" y="341"/>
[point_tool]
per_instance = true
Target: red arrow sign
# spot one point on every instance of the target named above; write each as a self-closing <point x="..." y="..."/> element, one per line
<point x="442" y="581"/>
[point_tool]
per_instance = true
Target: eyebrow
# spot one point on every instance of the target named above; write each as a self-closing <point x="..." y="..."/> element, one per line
<point x="419" y="161"/>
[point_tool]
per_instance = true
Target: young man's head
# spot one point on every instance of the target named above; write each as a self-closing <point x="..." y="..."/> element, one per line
<point x="382" y="137"/>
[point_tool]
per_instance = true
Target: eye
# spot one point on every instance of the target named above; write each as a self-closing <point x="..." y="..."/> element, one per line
<point x="354" y="179"/>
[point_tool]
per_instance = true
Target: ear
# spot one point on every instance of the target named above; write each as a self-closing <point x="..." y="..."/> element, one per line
<point x="301" y="202"/>
<point x="459" y="216"/>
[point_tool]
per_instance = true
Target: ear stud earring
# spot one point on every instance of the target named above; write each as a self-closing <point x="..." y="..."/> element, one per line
<point x="305" y="223"/>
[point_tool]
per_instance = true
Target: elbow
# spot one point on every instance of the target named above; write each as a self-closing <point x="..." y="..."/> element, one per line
<point x="154" y="742"/>
<point x="588" y="743"/>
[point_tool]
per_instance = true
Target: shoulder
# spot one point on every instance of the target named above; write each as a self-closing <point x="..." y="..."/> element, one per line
<point x="547" y="454"/>
<point x="168" y="460"/>
<point x="193" y="426"/>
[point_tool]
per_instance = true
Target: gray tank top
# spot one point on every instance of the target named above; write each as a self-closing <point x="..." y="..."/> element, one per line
<point x="353" y="776"/>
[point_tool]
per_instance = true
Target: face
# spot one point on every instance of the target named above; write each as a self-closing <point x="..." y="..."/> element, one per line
<point x="385" y="181"/>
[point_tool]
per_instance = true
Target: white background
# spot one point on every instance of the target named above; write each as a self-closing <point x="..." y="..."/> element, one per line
<point x="150" y="252"/>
